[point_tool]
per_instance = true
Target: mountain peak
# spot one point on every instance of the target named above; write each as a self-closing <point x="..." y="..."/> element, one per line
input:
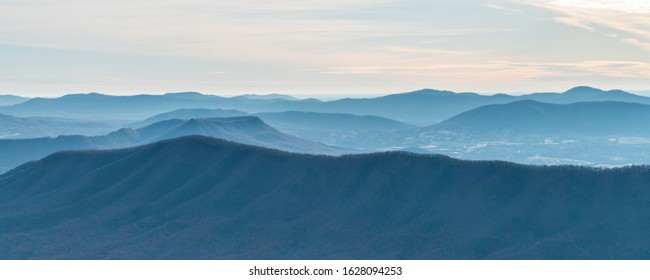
<point x="89" y="94"/>
<point x="431" y="92"/>
<point x="236" y="122"/>
<point x="590" y="91"/>
<point x="584" y="90"/>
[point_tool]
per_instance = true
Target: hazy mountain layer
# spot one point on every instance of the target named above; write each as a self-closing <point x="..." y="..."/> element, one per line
<point x="100" y="106"/>
<point x="6" y="100"/>
<point x="201" y="198"/>
<point x="249" y="130"/>
<point x="16" y="127"/>
<point x="587" y="94"/>
<point x="605" y="118"/>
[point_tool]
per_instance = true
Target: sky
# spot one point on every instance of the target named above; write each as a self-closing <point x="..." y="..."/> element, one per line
<point x="335" y="47"/>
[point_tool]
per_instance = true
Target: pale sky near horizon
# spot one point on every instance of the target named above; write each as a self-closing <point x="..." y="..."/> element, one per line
<point x="51" y="48"/>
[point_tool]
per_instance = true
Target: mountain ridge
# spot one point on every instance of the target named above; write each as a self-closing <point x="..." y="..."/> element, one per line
<point x="200" y="198"/>
<point x="599" y="118"/>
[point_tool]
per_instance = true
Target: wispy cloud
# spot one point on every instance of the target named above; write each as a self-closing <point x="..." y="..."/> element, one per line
<point x="644" y="45"/>
<point x="573" y="22"/>
<point x="630" y="17"/>
<point x="407" y="51"/>
<point x="503" y="8"/>
<point x="628" y="6"/>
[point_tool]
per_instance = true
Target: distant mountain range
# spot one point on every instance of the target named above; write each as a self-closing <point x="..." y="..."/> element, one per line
<point x="423" y="107"/>
<point x="102" y="107"/>
<point x="426" y="107"/>
<point x="202" y="198"/>
<point x="6" y="100"/>
<point x="137" y="107"/>
<point x="186" y="114"/>
<point x="606" y="118"/>
<point x="31" y="127"/>
<point x="249" y="130"/>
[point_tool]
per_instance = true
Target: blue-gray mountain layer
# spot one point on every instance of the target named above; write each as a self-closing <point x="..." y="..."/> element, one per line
<point x="249" y="130"/>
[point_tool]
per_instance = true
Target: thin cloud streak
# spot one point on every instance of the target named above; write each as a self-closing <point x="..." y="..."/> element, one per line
<point x="513" y="71"/>
<point x="503" y="8"/>
<point x="573" y="22"/>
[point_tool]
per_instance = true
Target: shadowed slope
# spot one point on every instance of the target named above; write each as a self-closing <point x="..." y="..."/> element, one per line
<point x="201" y="198"/>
